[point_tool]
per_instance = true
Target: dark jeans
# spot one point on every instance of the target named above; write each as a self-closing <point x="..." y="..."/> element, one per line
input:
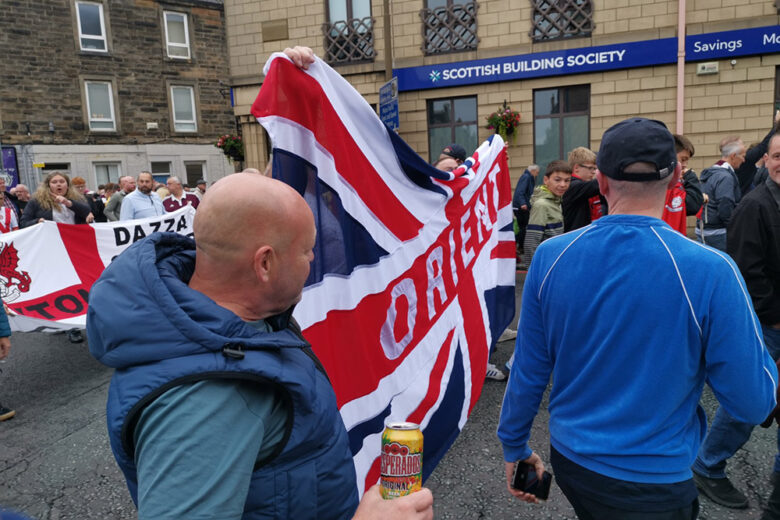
<point x="588" y="509"/>
<point x="597" y="497"/>
<point x="522" y="223"/>
<point x="726" y="434"/>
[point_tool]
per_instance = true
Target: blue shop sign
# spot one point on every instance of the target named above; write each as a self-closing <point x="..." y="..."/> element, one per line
<point x="727" y="44"/>
<point x="590" y="59"/>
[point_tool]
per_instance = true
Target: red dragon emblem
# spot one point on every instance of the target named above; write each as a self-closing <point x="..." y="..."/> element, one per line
<point x="9" y="271"/>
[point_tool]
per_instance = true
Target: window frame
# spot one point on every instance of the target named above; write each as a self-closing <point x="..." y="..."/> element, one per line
<point x="350" y="11"/>
<point x="777" y="91"/>
<point x="202" y="175"/>
<point x="561" y="115"/>
<point x="168" y="43"/>
<point x="465" y="6"/>
<point x="351" y="36"/>
<point x="452" y="125"/>
<point x="564" y="35"/>
<point x="193" y="104"/>
<point x="111" y="103"/>
<point x="118" y="165"/>
<point x="103" y="27"/>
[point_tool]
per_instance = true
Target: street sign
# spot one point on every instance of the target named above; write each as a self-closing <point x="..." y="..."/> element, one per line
<point x="388" y="103"/>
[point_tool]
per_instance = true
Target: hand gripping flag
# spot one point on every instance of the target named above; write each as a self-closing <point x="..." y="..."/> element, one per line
<point x="414" y="269"/>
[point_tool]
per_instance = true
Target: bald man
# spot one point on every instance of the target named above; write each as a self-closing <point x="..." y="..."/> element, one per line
<point x="221" y="410"/>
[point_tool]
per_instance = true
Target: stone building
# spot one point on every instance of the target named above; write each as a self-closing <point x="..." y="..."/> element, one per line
<point x="571" y="68"/>
<point x="106" y="88"/>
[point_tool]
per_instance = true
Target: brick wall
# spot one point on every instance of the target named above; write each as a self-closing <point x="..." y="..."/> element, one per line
<point x="738" y="100"/>
<point x="43" y="70"/>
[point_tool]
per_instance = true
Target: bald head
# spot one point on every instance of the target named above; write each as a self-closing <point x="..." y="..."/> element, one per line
<point x="254" y="237"/>
<point x="244" y="209"/>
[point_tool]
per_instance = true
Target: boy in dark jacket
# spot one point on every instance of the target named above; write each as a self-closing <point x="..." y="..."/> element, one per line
<point x="582" y="202"/>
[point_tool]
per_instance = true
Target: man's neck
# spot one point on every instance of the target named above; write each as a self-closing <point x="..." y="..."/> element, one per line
<point x="643" y="209"/>
<point x="228" y="300"/>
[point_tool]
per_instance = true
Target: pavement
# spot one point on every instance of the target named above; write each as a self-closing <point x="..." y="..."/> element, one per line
<point x="56" y="463"/>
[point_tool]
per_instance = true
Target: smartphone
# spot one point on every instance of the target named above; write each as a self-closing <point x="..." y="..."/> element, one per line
<point x="526" y="480"/>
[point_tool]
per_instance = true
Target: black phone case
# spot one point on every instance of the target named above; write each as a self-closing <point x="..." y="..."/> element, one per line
<point x="520" y="481"/>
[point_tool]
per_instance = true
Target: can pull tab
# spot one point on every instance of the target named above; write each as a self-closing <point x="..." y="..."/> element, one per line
<point x="233" y="350"/>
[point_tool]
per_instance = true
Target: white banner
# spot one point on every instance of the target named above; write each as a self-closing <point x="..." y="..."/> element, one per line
<point x="46" y="270"/>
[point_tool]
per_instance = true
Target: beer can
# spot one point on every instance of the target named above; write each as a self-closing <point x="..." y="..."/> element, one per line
<point x="402" y="452"/>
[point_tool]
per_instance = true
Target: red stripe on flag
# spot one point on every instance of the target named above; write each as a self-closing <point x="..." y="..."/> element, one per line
<point x="81" y="245"/>
<point x="318" y="115"/>
<point x="502" y="181"/>
<point x="69" y="302"/>
<point x="372" y="477"/>
<point x="434" y="382"/>
<point x="504" y="249"/>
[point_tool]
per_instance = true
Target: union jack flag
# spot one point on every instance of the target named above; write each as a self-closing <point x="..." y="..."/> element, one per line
<point x="414" y="270"/>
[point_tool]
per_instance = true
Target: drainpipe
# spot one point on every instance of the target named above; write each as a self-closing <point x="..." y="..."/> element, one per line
<point x="680" y="65"/>
<point x="388" y="41"/>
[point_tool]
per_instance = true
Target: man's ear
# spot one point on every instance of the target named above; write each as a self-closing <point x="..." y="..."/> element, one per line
<point x="603" y="183"/>
<point x="263" y="262"/>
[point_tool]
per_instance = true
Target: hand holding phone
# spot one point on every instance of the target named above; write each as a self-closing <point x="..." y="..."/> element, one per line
<point x="521" y="471"/>
<point x="526" y="480"/>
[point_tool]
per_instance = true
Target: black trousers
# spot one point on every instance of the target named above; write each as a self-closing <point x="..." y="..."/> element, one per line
<point x="598" y="497"/>
<point x="522" y="222"/>
<point x="589" y="509"/>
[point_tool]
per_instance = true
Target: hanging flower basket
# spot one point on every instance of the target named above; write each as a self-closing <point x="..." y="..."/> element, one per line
<point x="232" y="146"/>
<point x="504" y="122"/>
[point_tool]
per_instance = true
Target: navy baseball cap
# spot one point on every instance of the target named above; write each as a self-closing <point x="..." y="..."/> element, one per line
<point x="455" y="151"/>
<point x="637" y="140"/>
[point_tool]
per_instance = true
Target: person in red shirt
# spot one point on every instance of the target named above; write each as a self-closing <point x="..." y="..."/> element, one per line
<point x="178" y="197"/>
<point x="685" y="198"/>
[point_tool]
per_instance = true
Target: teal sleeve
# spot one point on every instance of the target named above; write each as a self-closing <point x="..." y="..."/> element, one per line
<point x="5" y="327"/>
<point x="196" y="446"/>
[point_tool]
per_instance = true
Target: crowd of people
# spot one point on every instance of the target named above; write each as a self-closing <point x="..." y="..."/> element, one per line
<point x="626" y="315"/>
<point x="652" y="309"/>
<point x="604" y="211"/>
<point x="59" y="198"/>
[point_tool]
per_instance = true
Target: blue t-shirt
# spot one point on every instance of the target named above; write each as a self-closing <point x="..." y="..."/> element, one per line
<point x="197" y="444"/>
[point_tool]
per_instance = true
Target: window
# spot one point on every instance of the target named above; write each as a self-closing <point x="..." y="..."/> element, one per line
<point x="777" y="89"/>
<point x="161" y="170"/>
<point x="183" y="100"/>
<point x="554" y="19"/>
<point x="100" y="106"/>
<point x="561" y="122"/>
<point x="195" y="172"/>
<point x="55" y="167"/>
<point x="349" y="35"/>
<point x="106" y="172"/>
<point x="452" y="120"/>
<point x="449" y="26"/>
<point x="177" y="36"/>
<point x="92" y="29"/>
